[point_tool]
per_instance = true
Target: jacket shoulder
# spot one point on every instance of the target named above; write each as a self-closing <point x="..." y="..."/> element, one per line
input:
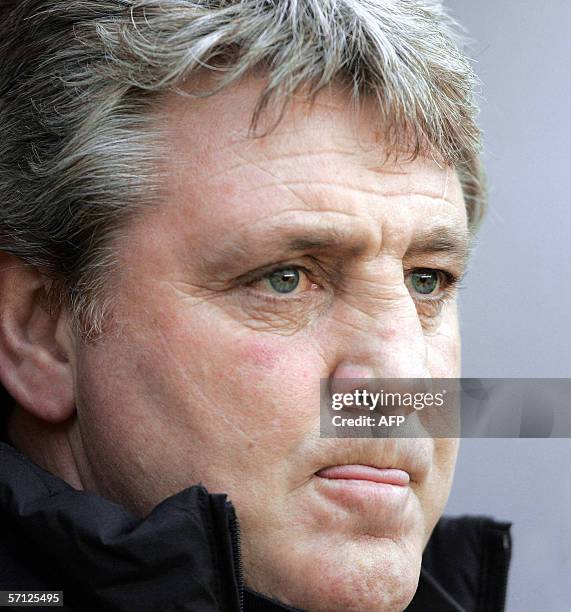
<point x="465" y="566"/>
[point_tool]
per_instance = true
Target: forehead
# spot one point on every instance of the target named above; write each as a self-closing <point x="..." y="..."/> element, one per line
<point x="322" y="157"/>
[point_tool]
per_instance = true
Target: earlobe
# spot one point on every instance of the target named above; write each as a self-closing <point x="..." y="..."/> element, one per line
<point x="35" y="365"/>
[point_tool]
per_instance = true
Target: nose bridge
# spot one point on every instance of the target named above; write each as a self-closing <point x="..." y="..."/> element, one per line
<point x="384" y="343"/>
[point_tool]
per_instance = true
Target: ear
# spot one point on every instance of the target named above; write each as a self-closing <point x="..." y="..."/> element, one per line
<point x="35" y="346"/>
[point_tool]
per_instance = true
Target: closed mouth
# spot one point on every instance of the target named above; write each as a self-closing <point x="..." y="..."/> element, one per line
<point x="366" y="473"/>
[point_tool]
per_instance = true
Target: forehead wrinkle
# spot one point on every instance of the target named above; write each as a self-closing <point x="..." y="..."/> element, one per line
<point x="383" y="170"/>
<point x="280" y="138"/>
<point x="361" y="188"/>
<point x="244" y="161"/>
<point x="367" y="159"/>
<point x="332" y="152"/>
<point x="267" y="149"/>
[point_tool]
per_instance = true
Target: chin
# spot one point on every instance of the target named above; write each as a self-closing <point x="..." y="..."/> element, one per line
<point x="367" y="573"/>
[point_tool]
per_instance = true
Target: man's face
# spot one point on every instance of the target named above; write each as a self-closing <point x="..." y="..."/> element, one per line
<point x="272" y="263"/>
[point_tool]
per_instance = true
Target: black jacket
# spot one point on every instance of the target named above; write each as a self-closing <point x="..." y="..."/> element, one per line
<point x="185" y="556"/>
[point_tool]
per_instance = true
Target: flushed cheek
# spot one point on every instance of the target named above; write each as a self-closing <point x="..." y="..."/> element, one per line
<point x="283" y="374"/>
<point x="294" y="357"/>
<point x="289" y="386"/>
<point x="249" y="378"/>
<point x="209" y="369"/>
<point x="261" y="353"/>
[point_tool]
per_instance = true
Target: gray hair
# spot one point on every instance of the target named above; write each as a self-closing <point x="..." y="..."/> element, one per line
<point x="80" y="80"/>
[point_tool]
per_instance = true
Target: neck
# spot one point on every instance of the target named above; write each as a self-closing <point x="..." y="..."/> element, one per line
<point x="46" y="444"/>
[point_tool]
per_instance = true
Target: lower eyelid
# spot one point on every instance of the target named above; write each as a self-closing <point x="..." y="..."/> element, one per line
<point x="306" y="276"/>
<point x="431" y="310"/>
<point x="275" y="298"/>
<point x="445" y="295"/>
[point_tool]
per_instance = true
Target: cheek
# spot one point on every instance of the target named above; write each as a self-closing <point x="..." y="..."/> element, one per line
<point x="277" y="384"/>
<point x="446" y="454"/>
<point x="281" y="373"/>
<point x="293" y="358"/>
<point x="257" y="382"/>
<point x="444" y="348"/>
<point x="434" y="493"/>
<point x="263" y="354"/>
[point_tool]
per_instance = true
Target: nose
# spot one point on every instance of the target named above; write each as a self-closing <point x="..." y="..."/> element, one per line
<point x="385" y="346"/>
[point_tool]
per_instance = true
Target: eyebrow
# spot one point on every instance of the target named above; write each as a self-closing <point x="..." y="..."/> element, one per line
<point x="328" y="239"/>
<point x="436" y="240"/>
<point x="288" y="240"/>
<point x="442" y="239"/>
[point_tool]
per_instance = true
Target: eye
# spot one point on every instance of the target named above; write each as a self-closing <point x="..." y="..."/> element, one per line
<point x="425" y="281"/>
<point x="285" y="280"/>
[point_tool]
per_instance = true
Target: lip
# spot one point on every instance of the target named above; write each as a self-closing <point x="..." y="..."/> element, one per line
<point x="390" y="461"/>
<point x="361" y="488"/>
<point x="366" y="474"/>
<point x="381" y="498"/>
<point x="369" y="486"/>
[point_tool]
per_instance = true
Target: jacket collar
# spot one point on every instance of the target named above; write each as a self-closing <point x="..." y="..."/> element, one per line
<point x="98" y="552"/>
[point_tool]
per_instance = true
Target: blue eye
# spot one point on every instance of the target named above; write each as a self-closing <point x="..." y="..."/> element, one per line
<point x="424" y="281"/>
<point x="285" y="280"/>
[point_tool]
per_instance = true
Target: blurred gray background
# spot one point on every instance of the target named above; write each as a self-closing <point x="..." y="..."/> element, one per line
<point x="516" y="302"/>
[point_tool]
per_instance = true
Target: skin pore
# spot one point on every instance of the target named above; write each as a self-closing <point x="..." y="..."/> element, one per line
<point x="270" y="264"/>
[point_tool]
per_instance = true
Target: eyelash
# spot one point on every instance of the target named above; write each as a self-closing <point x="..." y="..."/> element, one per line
<point x="266" y="273"/>
<point x="452" y="283"/>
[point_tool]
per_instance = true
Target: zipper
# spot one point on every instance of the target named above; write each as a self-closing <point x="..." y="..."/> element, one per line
<point x="506" y="549"/>
<point x="497" y="549"/>
<point x="236" y="554"/>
